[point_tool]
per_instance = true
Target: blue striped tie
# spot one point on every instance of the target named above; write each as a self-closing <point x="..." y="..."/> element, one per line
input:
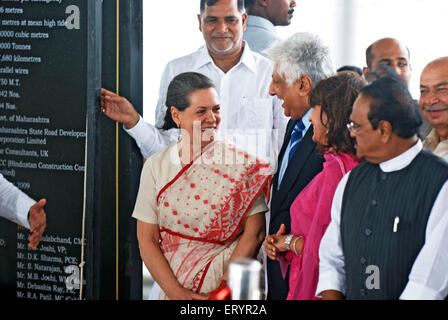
<point x="296" y="136"/>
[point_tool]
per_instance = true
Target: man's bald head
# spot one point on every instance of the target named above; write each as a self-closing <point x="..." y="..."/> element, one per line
<point x="438" y="63"/>
<point x="390" y="52"/>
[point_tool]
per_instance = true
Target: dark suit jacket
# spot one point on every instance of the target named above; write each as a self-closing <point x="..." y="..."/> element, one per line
<point x="306" y="163"/>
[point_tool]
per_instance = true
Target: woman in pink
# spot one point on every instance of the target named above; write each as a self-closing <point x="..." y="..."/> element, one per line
<point x="332" y="101"/>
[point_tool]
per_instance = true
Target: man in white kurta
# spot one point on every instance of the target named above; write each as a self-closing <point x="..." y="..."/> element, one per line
<point x="19" y="208"/>
<point x="251" y="118"/>
<point x="388" y="236"/>
<point x="434" y="105"/>
<point x="428" y="279"/>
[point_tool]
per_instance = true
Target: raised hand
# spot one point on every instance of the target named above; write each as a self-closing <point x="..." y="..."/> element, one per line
<point x="118" y="108"/>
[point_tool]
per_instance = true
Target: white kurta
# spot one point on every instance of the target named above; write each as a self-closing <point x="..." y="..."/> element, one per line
<point x="250" y="118"/>
<point x="14" y="204"/>
<point x="428" y="279"/>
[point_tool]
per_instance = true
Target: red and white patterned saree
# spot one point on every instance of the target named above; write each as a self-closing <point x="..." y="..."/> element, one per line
<point x="201" y="212"/>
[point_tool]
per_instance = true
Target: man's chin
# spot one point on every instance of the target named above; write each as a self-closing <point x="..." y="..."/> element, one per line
<point x="222" y="51"/>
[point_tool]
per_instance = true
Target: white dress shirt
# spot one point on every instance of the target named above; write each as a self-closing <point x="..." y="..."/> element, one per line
<point x="428" y="279"/>
<point x="14" y="204"/>
<point x="260" y="33"/>
<point x="250" y="117"/>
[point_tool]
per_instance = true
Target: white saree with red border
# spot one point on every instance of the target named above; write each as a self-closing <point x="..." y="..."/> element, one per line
<point x="202" y="210"/>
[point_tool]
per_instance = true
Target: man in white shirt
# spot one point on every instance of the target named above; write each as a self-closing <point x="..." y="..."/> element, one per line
<point x="388" y="237"/>
<point x="251" y="118"/>
<point x="17" y="207"/>
<point x="434" y="105"/>
<point x="263" y="16"/>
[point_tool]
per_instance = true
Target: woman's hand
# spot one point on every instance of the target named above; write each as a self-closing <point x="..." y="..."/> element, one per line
<point x="156" y="263"/>
<point x="275" y="243"/>
<point x="181" y="293"/>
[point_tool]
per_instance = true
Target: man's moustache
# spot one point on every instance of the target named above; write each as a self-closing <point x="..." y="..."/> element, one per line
<point x="435" y="108"/>
<point x="291" y="11"/>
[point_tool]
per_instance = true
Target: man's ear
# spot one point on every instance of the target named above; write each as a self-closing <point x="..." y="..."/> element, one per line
<point x="304" y="85"/>
<point x="244" y="20"/>
<point x="385" y="130"/>
<point x="365" y="71"/>
<point x="200" y="22"/>
<point x="263" y="3"/>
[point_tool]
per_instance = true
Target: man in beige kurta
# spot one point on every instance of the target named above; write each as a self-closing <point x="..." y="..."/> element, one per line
<point x="434" y="105"/>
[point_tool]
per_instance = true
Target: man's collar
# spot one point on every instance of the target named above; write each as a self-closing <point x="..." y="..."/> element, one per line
<point x="403" y="160"/>
<point x="306" y="119"/>
<point x="247" y="58"/>
<point x="261" y="22"/>
<point x="203" y="57"/>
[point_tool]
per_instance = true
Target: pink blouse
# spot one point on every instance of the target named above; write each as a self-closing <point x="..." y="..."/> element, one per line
<point x="310" y="217"/>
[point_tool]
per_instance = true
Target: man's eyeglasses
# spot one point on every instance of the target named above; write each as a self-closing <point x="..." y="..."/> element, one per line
<point x="353" y="127"/>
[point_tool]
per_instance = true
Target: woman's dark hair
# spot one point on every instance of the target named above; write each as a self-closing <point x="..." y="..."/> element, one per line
<point x="336" y="96"/>
<point x="392" y="102"/>
<point x="178" y="94"/>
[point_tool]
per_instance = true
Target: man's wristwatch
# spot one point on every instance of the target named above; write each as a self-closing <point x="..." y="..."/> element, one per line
<point x="288" y="241"/>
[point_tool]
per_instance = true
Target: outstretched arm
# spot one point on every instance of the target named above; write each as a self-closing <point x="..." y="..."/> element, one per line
<point x="38" y="222"/>
<point x="118" y="109"/>
<point x="19" y="208"/>
<point x="148" y="138"/>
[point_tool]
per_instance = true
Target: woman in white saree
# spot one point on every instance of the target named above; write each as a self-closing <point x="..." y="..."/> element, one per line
<point x="201" y="202"/>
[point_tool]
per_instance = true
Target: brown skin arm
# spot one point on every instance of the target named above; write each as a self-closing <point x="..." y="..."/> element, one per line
<point x="332" y="295"/>
<point x="152" y="256"/>
<point x="251" y="239"/>
<point x="118" y="109"/>
<point x="274" y="244"/>
<point x="38" y="222"/>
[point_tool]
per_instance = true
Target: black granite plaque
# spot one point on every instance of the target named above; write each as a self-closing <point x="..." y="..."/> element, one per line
<point x="118" y="263"/>
<point x="55" y="56"/>
<point x="49" y="78"/>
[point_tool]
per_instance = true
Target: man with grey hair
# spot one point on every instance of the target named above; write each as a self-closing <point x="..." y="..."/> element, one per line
<point x="300" y="62"/>
<point x="248" y="112"/>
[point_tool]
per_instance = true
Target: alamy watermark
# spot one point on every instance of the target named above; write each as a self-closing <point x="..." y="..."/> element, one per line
<point x="259" y="144"/>
<point x="373" y="280"/>
<point x="73" y="20"/>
